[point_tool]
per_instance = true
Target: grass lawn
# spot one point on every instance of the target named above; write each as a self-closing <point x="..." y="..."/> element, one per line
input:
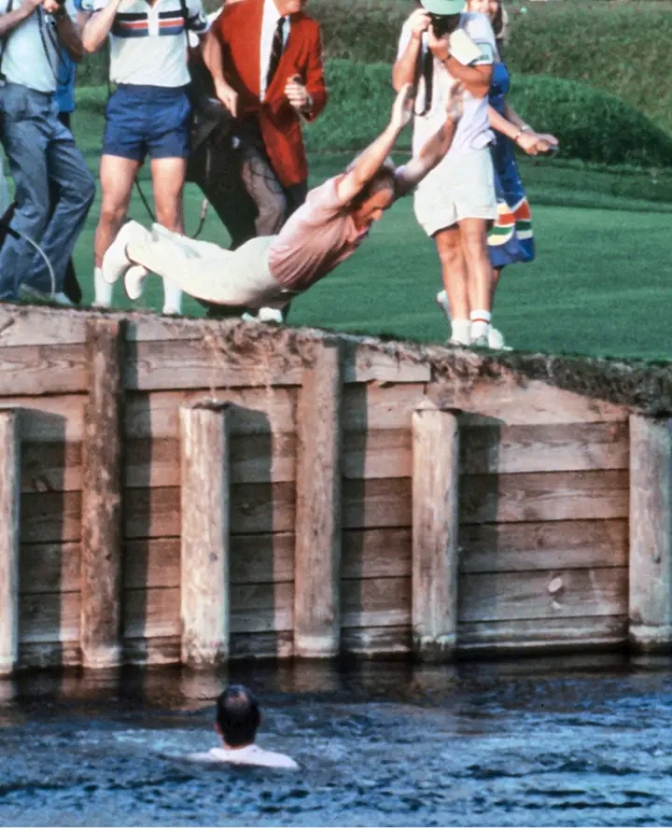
<point x="600" y="284"/>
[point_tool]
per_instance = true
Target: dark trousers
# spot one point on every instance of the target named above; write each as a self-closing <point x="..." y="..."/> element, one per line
<point x="71" y="287"/>
<point x="241" y="186"/>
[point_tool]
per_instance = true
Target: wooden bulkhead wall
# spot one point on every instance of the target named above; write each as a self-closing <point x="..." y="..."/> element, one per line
<point x="325" y="493"/>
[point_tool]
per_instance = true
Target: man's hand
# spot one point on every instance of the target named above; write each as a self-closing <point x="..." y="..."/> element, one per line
<point x="51" y="6"/>
<point x="440" y="47"/>
<point x="419" y="22"/>
<point x="228" y="96"/>
<point x="402" y="109"/>
<point x="31" y="5"/>
<point x="297" y="94"/>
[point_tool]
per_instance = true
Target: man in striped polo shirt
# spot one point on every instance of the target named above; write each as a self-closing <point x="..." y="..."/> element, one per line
<point x="148" y="114"/>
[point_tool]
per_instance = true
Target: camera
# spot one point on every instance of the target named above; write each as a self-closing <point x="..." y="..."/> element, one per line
<point x="443" y="24"/>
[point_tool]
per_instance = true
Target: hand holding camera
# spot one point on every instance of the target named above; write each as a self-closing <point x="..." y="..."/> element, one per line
<point x="297" y="94"/>
<point x="419" y="23"/>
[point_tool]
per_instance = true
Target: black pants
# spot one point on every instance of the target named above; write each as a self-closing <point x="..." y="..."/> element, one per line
<point x="71" y="287"/>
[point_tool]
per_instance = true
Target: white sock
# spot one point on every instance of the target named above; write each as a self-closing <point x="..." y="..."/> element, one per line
<point x="480" y="323"/>
<point x="172" y="297"/>
<point x="103" y="290"/>
<point x="460" y="331"/>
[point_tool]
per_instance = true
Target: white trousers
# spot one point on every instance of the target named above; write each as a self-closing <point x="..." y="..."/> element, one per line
<point x="208" y="272"/>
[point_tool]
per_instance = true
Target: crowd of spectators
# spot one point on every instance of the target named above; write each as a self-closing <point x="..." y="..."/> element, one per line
<point x="221" y="101"/>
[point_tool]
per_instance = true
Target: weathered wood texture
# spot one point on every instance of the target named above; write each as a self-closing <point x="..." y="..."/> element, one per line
<point x="317" y="624"/>
<point x="10" y="472"/>
<point x="101" y="496"/>
<point x="436" y="457"/>
<point x="650" y="533"/>
<point x="205" y="534"/>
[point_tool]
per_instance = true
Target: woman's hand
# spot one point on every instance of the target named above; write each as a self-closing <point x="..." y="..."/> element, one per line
<point x="402" y="109"/>
<point x="529" y="142"/>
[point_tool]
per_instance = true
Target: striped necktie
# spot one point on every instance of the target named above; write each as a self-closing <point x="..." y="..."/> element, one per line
<point x="276" y="51"/>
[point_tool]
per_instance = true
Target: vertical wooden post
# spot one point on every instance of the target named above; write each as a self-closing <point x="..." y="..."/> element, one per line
<point x="317" y="614"/>
<point x="10" y="489"/>
<point x="436" y="454"/>
<point x="101" y="496"/>
<point x="205" y="533"/>
<point x="650" y="599"/>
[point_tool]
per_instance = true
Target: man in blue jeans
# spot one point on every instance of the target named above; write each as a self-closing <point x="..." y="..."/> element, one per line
<point x="40" y="150"/>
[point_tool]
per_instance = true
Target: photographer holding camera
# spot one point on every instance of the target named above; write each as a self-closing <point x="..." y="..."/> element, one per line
<point x="455" y="204"/>
<point x="40" y="150"/>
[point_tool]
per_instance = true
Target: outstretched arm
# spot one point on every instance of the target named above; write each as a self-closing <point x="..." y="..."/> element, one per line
<point x="431" y="153"/>
<point x="371" y="160"/>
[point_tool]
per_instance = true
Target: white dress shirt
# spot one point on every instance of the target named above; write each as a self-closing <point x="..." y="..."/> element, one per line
<point x="269" y="24"/>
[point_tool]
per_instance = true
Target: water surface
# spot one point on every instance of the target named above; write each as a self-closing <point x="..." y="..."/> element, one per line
<point x="559" y="741"/>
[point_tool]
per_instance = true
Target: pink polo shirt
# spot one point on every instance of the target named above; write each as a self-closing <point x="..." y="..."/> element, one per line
<point x="314" y="240"/>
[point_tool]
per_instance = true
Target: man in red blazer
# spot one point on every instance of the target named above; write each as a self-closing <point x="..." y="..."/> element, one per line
<point x="265" y="59"/>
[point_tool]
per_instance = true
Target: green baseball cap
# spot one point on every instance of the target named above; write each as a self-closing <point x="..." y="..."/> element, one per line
<point x="443" y="7"/>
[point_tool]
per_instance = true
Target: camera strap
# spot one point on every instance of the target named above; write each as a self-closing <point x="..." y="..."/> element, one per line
<point x="424" y="69"/>
<point x="3" y="43"/>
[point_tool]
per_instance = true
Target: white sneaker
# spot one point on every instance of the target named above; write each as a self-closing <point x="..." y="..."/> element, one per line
<point x="134" y="282"/>
<point x="442" y="301"/>
<point x="116" y="261"/>
<point x="268" y="315"/>
<point x="496" y="341"/>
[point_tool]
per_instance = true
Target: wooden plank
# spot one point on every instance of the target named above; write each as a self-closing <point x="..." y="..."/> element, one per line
<point x="543" y="634"/>
<point x="152" y="613"/>
<point x="377" y="454"/>
<point x="368" y="407"/>
<point x="377" y="503"/>
<point x="436" y="474"/>
<point x="535" y="497"/>
<point x="50" y="567"/>
<point x="50" y="517"/>
<point x="544" y="447"/>
<point x="101" y="533"/>
<point x="40" y="370"/>
<point x="253" y="411"/>
<point x="54" y="655"/>
<point x="526" y="546"/>
<point x="376" y="552"/>
<point x="317" y="556"/>
<point x="204" y="364"/>
<point x="376" y="641"/>
<point x="381" y="601"/>
<point x="33" y="326"/>
<point x="372" y="362"/>
<point x="519" y="401"/>
<point x="49" y="418"/>
<point x="528" y="595"/>
<point x="246" y="645"/>
<point x="650" y="599"/>
<point x="10" y="496"/>
<point x="51" y="466"/>
<point x="49" y="618"/>
<point x="205" y="552"/>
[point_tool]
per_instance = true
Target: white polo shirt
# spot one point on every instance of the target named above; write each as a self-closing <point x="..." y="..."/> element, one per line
<point x="148" y="44"/>
<point x="252" y="754"/>
<point x="32" y="51"/>
<point x="473" y="130"/>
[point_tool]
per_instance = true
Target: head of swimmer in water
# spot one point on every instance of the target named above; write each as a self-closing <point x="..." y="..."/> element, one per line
<point x="238" y="716"/>
<point x="375" y="197"/>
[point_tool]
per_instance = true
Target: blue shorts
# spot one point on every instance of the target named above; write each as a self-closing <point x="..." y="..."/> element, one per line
<point x="145" y="120"/>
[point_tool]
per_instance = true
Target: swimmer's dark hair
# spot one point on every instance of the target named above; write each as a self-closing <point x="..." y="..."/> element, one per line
<point x="238" y="715"/>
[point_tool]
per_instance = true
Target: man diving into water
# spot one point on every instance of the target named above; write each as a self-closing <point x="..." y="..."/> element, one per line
<point x="326" y="230"/>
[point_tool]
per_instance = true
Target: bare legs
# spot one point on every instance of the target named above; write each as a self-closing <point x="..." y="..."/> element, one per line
<point x="117" y="176"/>
<point x="467" y="277"/>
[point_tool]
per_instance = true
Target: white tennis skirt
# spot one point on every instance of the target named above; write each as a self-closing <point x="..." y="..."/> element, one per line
<point x="459" y="187"/>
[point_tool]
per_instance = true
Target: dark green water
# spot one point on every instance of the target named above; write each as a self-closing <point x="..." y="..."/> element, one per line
<point x="561" y="741"/>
